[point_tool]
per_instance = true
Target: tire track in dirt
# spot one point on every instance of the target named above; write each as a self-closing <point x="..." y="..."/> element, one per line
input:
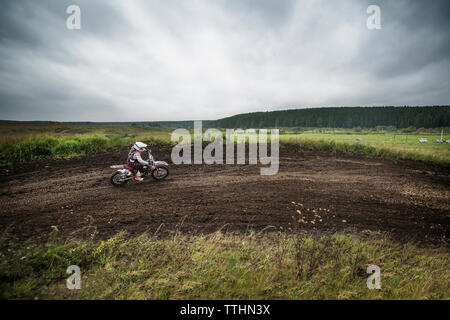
<point x="75" y="196"/>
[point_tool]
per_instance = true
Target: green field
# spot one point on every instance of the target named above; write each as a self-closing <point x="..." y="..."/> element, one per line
<point x="406" y="144"/>
<point x="23" y="142"/>
<point x="20" y="132"/>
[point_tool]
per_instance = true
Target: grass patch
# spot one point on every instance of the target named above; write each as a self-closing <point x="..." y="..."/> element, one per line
<point x="53" y="147"/>
<point x="223" y="266"/>
<point x="56" y="147"/>
<point x="366" y="150"/>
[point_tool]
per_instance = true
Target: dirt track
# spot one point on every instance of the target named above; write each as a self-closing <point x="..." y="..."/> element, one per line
<point x="411" y="204"/>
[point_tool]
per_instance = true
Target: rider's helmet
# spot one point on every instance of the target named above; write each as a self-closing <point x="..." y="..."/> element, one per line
<point x="140" y="146"/>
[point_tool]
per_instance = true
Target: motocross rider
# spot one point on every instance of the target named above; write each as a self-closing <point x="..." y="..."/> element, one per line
<point x="135" y="160"/>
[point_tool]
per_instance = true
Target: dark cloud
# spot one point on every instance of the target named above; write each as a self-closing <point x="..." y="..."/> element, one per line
<point x="174" y="60"/>
<point x="415" y="35"/>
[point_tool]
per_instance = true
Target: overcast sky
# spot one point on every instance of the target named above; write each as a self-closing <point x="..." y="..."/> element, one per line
<point x="206" y="59"/>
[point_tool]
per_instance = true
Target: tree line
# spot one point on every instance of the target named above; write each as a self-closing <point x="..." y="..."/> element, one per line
<point x="342" y="117"/>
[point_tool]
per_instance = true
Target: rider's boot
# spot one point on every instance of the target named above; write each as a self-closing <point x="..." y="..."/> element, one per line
<point x="138" y="176"/>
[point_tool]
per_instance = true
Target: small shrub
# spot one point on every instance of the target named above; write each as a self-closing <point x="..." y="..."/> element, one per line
<point x="67" y="147"/>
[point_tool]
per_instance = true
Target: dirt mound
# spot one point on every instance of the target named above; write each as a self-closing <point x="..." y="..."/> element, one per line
<point x="332" y="194"/>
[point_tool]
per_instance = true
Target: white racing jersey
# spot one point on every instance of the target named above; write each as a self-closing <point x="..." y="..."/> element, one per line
<point x="135" y="156"/>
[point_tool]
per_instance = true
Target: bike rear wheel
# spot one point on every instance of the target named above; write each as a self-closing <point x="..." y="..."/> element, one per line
<point x="118" y="179"/>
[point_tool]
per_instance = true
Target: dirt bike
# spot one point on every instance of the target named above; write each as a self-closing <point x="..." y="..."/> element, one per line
<point x="159" y="170"/>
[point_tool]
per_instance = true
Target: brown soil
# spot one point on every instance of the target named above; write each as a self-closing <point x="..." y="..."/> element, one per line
<point x="337" y="194"/>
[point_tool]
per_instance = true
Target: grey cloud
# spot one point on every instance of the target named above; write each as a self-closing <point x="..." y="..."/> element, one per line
<point x="175" y="60"/>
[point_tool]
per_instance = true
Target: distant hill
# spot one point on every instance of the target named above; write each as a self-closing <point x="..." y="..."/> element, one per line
<point x="170" y="124"/>
<point x="342" y="117"/>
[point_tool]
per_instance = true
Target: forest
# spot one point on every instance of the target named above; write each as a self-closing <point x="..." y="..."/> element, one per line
<point x="342" y="117"/>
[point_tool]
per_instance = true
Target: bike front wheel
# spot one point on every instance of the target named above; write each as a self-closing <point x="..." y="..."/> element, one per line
<point x="160" y="173"/>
